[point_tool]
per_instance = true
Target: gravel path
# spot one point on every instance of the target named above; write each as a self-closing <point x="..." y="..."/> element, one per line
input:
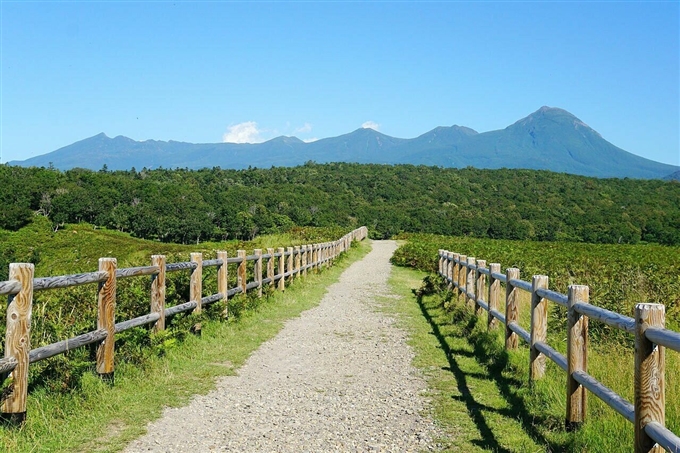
<point x="338" y="378"/>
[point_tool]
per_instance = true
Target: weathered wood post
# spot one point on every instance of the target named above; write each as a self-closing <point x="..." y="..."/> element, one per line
<point x="196" y="288"/>
<point x="650" y="368"/>
<point x="18" y="341"/>
<point x="577" y="355"/>
<point x="441" y="262"/>
<point x="539" y="327"/>
<point x="106" y="308"/>
<point x="258" y="271"/>
<point x="289" y="265"/>
<point x="462" y="275"/>
<point x="242" y="275"/>
<point x="270" y="267"/>
<point x="297" y="262"/>
<point x="223" y="281"/>
<point x="455" y="271"/>
<point x="310" y="259"/>
<point x="481" y="284"/>
<point x="470" y="282"/>
<point x="303" y="261"/>
<point x="447" y="268"/>
<point x="282" y="268"/>
<point x="511" y="307"/>
<point x="158" y="292"/>
<point x="494" y="294"/>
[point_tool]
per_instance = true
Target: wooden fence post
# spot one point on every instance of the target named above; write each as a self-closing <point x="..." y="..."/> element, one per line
<point x="106" y="308"/>
<point x="315" y="257"/>
<point x="270" y="267"/>
<point x="297" y="262"/>
<point x="310" y="259"/>
<point x="223" y="281"/>
<point x="494" y="294"/>
<point x="511" y="308"/>
<point x="462" y="274"/>
<point x="577" y="356"/>
<point x="242" y="275"/>
<point x="539" y="327"/>
<point x="18" y="342"/>
<point x="282" y="269"/>
<point x="470" y="282"/>
<point x="158" y="292"/>
<point x="441" y="262"/>
<point x="196" y="288"/>
<point x="303" y="261"/>
<point x="289" y="265"/>
<point x="650" y="367"/>
<point x="448" y="269"/>
<point x="258" y="271"/>
<point x="481" y="284"/>
<point x="455" y="269"/>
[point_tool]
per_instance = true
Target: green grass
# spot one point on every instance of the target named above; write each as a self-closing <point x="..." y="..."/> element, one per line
<point x="480" y="392"/>
<point x="98" y="417"/>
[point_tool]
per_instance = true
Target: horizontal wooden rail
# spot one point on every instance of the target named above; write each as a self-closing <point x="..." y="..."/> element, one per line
<point x="664" y="337"/>
<point x="45" y="352"/>
<point x="467" y="277"/>
<point x="663" y="436"/>
<point x="607" y="317"/>
<point x="137" y="271"/>
<point x="66" y="281"/>
<point x="7" y="364"/>
<point x="174" y="267"/>
<point x="558" y="298"/>
<point x="609" y="396"/>
<point x="9" y="287"/>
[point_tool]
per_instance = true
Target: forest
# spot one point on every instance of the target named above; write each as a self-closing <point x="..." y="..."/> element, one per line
<point x="191" y="206"/>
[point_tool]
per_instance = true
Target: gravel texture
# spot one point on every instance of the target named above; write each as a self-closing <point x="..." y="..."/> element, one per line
<point x="338" y="378"/>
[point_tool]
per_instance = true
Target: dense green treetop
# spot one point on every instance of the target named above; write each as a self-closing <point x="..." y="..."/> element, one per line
<point x="213" y="204"/>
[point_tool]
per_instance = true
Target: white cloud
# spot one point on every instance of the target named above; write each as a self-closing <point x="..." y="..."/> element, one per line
<point x="246" y="132"/>
<point x="371" y="125"/>
<point x="304" y="129"/>
<point x="310" y="140"/>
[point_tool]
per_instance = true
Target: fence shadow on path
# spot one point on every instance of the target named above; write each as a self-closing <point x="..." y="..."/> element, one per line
<point x="459" y="342"/>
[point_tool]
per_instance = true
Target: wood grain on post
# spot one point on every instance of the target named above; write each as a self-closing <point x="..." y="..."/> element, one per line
<point x="282" y="269"/>
<point x="223" y="281"/>
<point x="481" y="284"/>
<point x="494" y="295"/>
<point x="289" y="264"/>
<point x="447" y="268"/>
<point x="455" y="269"/>
<point x="650" y="367"/>
<point x="242" y="273"/>
<point x="539" y="327"/>
<point x="106" y="308"/>
<point x="303" y="259"/>
<point x="196" y="287"/>
<point x="258" y="271"/>
<point x="441" y="262"/>
<point x="511" y="308"/>
<point x="18" y="341"/>
<point x="470" y="282"/>
<point x="158" y="292"/>
<point x="270" y="266"/>
<point x="297" y="261"/>
<point x="577" y="356"/>
<point x="462" y="275"/>
<point x="315" y="257"/>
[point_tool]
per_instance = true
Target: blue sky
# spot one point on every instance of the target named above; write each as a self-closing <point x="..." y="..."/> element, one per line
<point x="210" y="71"/>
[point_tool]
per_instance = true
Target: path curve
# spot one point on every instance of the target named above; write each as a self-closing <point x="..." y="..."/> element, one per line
<point x="338" y="378"/>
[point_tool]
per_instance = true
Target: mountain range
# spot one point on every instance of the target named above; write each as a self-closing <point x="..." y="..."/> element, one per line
<point x="548" y="139"/>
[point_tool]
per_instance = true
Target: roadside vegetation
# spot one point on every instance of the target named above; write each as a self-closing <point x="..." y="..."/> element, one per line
<point x="67" y="403"/>
<point x="469" y="357"/>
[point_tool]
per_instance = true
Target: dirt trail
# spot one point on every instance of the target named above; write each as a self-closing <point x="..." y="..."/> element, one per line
<point x="338" y="378"/>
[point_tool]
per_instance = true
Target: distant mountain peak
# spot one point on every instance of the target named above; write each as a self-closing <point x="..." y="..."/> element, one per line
<point x="549" y="138"/>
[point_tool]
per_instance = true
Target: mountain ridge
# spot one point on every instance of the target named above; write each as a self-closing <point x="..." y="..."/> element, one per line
<point x="547" y="139"/>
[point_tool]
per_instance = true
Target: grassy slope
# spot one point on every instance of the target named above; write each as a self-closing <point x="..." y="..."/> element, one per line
<point x="97" y="417"/>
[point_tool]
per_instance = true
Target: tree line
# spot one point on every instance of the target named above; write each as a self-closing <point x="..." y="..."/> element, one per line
<point x="185" y="206"/>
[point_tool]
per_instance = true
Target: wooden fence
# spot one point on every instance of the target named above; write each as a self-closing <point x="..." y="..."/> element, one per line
<point x="468" y="277"/>
<point x="293" y="262"/>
